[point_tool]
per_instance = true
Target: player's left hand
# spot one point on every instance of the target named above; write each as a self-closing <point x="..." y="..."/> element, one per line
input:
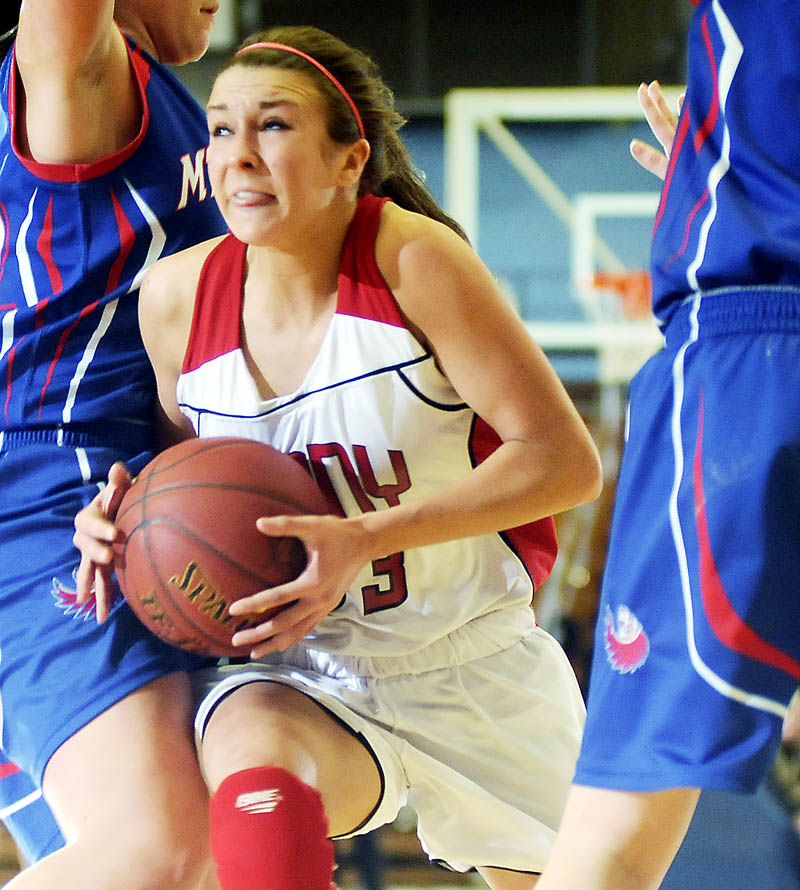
<point x="336" y="551"/>
<point x="94" y="536"/>
<point x="664" y="124"/>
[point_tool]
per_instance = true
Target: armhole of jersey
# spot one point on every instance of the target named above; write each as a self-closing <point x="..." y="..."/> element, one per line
<point x="535" y="543"/>
<point x="81" y="172"/>
<point x="220" y="284"/>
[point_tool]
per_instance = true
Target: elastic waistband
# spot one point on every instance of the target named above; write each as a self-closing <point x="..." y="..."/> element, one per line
<point x="131" y="437"/>
<point x="736" y="310"/>
<point x="479" y="638"/>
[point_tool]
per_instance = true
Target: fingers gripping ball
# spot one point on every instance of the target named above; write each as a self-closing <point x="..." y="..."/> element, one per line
<point x="189" y="545"/>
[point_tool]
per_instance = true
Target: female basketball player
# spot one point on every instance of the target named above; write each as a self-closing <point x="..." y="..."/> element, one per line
<point x="697" y="650"/>
<point x="101" y="172"/>
<point x="345" y="320"/>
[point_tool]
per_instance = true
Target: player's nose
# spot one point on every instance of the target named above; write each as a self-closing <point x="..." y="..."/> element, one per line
<point x="243" y="150"/>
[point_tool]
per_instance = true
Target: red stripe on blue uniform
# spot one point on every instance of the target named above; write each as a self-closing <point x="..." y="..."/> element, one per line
<point x="44" y="245"/>
<point x="8" y="769"/>
<point x="727" y="625"/>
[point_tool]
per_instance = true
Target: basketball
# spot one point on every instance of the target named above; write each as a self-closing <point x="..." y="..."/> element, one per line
<point x="189" y="545"/>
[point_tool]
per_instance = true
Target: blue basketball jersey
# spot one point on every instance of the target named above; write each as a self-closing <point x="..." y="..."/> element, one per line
<point x="697" y="647"/>
<point x="76" y="394"/>
<point x="75" y="241"/>
<point x="730" y="206"/>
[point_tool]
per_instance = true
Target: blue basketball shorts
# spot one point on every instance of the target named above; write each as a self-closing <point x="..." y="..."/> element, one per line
<point x="58" y="668"/>
<point x="697" y="647"/>
<point x="25" y="814"/>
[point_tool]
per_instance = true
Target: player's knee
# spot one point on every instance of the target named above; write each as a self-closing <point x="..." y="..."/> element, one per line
<point x="280" y="731"/>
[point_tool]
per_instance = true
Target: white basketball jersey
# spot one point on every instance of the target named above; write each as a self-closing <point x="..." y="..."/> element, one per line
<point x="378" y="425"/>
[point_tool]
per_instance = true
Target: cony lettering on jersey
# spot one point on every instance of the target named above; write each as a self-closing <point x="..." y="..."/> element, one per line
<point x="377" y="424"/>
<point x="75" y="243"/>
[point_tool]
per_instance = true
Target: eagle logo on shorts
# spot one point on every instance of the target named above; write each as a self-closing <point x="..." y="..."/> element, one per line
<point x="627" y="645"/>
<point x="67" y="600"/>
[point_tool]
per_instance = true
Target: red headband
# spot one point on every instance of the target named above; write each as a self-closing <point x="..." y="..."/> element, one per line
<point x="268" y="44"/>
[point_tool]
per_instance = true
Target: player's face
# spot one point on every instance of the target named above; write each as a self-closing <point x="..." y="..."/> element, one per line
<point x="179" y="30"/>
<point x="272" y="164"/>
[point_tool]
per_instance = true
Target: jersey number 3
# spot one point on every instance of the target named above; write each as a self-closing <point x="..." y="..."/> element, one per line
<point x="389" y="571"/>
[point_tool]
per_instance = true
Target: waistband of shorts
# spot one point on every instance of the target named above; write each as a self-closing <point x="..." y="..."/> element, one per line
<point x="736" y="310"/>
<point x="131" y="436"/>
<point x="479" y="638"/>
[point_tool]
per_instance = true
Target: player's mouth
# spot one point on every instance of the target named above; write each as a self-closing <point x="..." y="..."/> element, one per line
<point x="252" y="198"/>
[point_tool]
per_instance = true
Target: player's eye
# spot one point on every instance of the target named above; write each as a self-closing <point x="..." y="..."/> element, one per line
<point x="274" y="123"/>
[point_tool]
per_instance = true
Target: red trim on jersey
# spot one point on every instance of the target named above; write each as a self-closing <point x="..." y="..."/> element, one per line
<point x="700" y="138"/>
<point x="6" y="239"/>
<point x="363" y="291"/>
<point x="8" y="769"/>
<point x="44" y="245"/>
<point x="687" y="230"/>
<point x="62" y="342"/>
<point x="127" y="238"/>
<point x="82" y="172"/>
<point x="38" y="313"/>
<point x="677" y="145"/>
<point x="10" y="377"/>
<point x="707" y="127"/>
<point x="221" y="284"/>
<point x="535" y="543"/>
<point x="728" y="627"/>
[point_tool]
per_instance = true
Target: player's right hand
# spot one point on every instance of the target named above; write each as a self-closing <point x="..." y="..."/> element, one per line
<point x="94" y="536"/>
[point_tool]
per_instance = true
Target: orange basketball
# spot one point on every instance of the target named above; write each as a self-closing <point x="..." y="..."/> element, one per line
<point x="189" y="545"/>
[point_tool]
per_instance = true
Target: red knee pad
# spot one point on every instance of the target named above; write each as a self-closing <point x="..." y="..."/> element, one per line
<point x="269" y="832"/>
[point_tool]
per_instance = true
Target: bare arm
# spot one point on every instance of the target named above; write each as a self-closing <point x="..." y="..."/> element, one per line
<point x="166" y="305"/>
<point x="80" y="99"/>
<point x="547" y="462"/>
